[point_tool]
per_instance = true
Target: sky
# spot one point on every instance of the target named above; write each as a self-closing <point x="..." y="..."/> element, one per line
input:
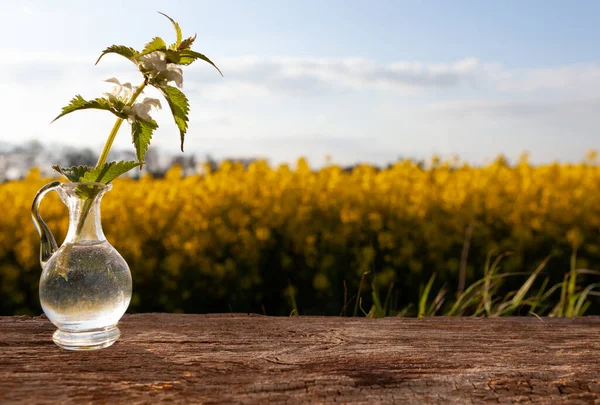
<point x="344" y="81"/>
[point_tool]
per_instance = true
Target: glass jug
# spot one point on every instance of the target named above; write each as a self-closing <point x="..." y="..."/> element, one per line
<point x="85" y="287"/>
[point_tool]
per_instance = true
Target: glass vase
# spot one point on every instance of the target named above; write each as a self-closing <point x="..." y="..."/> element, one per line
<point x="85" y="287"/>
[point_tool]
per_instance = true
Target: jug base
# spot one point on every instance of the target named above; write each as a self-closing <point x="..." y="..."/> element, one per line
<point x="86" y="340"/>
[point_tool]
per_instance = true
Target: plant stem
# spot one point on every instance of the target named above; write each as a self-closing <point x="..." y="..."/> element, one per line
<point x="104" y="155"/>
<point x="115" y="129"/>
<point x="87" y="205"/>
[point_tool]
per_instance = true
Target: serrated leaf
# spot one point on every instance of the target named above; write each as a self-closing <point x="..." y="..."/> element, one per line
<point x="180" y="107"/>
<point x="186" y="43"/>
<point x="141" y="131"/>
<point x="172" y="56"/>
<point x="109" y="171"/>
<point x="122" y="50"/>
<point x="157" y="44"/>
<point x="74" y="173"/>
<point x="177" y="32"/>
<point x="188" y="56"/>
<point x="79" y="103"/>
<point x="87" y="191"/>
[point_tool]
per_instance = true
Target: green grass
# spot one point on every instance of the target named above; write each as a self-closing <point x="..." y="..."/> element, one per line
<point x="481" y="298"/>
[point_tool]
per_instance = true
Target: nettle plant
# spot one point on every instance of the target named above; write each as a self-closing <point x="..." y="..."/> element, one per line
<point x="159" y="65"/>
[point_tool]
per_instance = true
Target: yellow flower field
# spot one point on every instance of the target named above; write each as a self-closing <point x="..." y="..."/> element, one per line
<point x="260" y="238"/>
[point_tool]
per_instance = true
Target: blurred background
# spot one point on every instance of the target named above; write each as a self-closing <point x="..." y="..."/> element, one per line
<point x="358" y="158"/>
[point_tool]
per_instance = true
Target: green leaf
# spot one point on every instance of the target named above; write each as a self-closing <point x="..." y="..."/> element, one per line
<point x="172" y="56"/>
<point x="104" y="174"/>
<point x="157" y="44"/>
<point x="122" y="50"/>
<point x="109" y="171"/>
<point x="188" y="56"/>
<point x="73" y="174"/>
<point x="87" y="191"/>
<point x="177" y="32"/>
<point x="79" y="103"/>
<point x="186" y="43"/>
<point x="141" y="131"/>
<point x="180" y="107"/>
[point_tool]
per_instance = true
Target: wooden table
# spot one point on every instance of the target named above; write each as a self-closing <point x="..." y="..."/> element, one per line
<point x="238" y="358"/>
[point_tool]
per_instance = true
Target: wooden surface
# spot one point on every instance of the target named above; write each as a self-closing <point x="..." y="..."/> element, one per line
<point x="255" y="359"/>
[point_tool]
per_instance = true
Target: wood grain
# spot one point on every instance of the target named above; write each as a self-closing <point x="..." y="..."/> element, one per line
<point x="256" y="359"/>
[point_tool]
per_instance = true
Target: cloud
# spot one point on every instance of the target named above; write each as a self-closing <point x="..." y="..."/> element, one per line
<point x="580" y="79"/>
<point x="300" y="76"/>
<point x="526" y="109"/>
<point x="263" y="77"/>
<point x="289" y="147"/>
<point x="263" y="106"/>
<point x="480" y="129"/>
<point x="273" y="76"/>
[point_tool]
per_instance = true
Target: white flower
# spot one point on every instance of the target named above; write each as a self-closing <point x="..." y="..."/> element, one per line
<point x="173" y="74"/>
<point x="142" y="109"/>
<point x="120" y="92"/>
<point x="154" y="62"/>
<point x="155" y="65"/>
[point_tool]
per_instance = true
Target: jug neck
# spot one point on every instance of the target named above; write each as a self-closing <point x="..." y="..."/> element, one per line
<point x="83" y="201"/>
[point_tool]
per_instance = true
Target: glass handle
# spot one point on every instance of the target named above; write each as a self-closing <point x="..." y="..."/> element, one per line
<point x="48" y="243"/>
